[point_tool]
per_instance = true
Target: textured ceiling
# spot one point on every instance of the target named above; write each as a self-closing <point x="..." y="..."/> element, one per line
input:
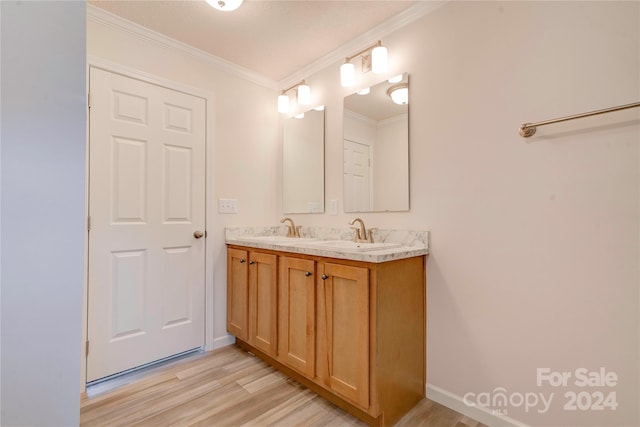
<point x="273" y="39"/>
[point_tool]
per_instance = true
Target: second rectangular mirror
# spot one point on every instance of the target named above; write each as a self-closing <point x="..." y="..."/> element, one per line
<point x="376" y="148"/>
<point x="303" y="163"/>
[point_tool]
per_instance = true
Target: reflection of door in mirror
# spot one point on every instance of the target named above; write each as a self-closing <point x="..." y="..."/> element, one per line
<point x="376" y="149"/>
<point x="303" y="163"/>
<point x="357" y="176"/>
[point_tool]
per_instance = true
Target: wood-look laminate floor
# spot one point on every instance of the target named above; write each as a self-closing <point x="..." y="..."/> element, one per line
<point x="228" y="387"/>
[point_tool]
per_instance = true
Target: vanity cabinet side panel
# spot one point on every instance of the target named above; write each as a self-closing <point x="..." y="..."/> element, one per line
<point x="400" y="351"/>
<point x="297" y="314"/>
<point x="263" y="302"/>
<point x="238" y="293"/>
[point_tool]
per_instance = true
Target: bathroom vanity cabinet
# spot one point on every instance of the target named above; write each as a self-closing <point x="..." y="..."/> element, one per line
<point x="352" y="331"/>
<point x="252" y="298"/>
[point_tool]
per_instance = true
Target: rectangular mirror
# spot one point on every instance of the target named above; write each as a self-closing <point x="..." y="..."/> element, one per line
<point x="376" y="148"/>
<point x="303" y="163"/>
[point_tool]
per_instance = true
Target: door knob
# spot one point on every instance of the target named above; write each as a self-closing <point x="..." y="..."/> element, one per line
<point x="198" y="234"/>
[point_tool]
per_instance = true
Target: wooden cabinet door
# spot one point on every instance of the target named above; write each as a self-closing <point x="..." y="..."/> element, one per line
<point x="345" y="313"/>
<point x="238" y="293"/>
<point x="263" y="302"/>
<point x="297" y="323"/>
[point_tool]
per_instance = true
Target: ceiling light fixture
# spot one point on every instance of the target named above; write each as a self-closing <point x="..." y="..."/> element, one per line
<point x="374" y="58"/>
<point x="225" y="5"/>
<point x="399" y="93"/>
<point x="304" y="96"/>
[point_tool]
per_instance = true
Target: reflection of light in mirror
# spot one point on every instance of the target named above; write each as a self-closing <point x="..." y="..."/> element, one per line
<point x="319" y="108"/>
<point x="396" y="79"/>
<point x="399" y="94"/>
<point x="364" y="91"/>
<point x="225" y="6"/>
<point x="299" y="116"/>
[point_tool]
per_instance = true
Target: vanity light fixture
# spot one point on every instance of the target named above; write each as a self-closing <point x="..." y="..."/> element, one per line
<point x="365" y="91"/>
<point x="399" y="93"/>
<point x="299" y="116"/>
<point x="374" y="58"/>
<point x="319" y="108"/>
<point x="225" y="5"/>
<point x="304" y="96"/>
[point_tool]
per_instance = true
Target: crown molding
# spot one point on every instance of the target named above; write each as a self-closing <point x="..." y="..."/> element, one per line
<point x="413" y="13"/>
<point x="101" y="16"/>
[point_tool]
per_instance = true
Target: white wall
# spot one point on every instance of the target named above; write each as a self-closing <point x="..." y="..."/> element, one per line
<point x="534" y="243"/>
<point x="247" y="151"/>
<point x="43" y="117"/>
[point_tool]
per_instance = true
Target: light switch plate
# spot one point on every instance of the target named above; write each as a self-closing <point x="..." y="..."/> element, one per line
<point x="333" y="207"/>
<point x="228" y="206"/>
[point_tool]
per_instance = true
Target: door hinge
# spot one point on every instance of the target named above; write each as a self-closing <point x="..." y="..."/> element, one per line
<point x="86" y="350"/>
<point x="89" y="223"/>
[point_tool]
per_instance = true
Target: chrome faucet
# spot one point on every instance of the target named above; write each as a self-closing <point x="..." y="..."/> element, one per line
<point x="361" y="234"/>
<point x="292" y="230"/>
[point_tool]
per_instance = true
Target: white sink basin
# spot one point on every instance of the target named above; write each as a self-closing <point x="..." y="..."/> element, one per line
<point x="276" y="239"/>
<point x="347" y="245"/>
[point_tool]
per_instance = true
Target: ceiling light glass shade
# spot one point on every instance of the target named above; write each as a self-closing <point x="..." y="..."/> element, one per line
<point x="396" y="79"/>
<point x="379" y="60"/>
<point x="225" y="5"/>
<point x="283" y="103"/>
<point x="364" y="91"/>
<point x="304" y="94"/>
<point x="399" y="94"/>
<point x="347" y="74"/>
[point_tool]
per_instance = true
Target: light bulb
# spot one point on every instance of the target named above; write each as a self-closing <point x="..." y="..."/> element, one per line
<point x="379" y="60"/>
<point x="283" y="103"/>
<point x="304" y="94"/>
<point x="347" y="74"/>
<point x="225" y="5"/>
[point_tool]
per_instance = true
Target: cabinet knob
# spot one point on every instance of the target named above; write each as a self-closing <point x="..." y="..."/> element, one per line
<point x="308" y="273"/>
<point x="325" y="277"/>
<point x="242" y="261"/>
<point x="251" y="262"/>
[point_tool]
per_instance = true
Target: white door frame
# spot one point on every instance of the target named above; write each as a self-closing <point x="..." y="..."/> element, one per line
<point x="96" y="62"/>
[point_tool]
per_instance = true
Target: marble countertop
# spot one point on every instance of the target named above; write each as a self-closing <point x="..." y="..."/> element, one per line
<point x="333" y="242"/>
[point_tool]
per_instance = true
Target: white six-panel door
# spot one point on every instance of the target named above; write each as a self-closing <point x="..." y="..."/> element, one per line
<point x="357" y="177"/>
<point x="146" y="201"/>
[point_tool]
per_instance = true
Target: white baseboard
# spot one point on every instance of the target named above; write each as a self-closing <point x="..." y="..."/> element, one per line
<point x="478" y="413"/>
<point x="224" y="341"/>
